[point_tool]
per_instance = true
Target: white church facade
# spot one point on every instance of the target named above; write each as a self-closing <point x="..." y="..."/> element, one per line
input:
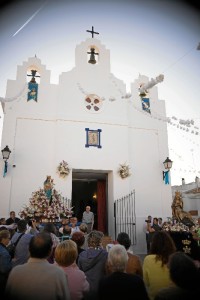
<point x="89" y="121"/>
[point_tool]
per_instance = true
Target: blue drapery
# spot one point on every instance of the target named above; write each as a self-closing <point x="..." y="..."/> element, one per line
<point x="5" y="169"/>
<point x="166" y="177"/>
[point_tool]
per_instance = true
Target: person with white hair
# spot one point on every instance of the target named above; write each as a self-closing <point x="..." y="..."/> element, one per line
<point x="88" y="218"/>
<point x="119" y="283"/>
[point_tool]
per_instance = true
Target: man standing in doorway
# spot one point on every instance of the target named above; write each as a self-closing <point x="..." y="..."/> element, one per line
<point x="88" y="218"/>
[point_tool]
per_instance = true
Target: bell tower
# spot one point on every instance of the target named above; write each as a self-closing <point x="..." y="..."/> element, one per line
<point x="91" y="55"/>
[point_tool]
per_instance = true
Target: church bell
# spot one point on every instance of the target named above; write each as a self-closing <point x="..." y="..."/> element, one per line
<point x="92" y="59"/>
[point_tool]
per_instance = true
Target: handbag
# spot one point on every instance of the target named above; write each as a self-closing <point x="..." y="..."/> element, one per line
<point x="11" y="248"/>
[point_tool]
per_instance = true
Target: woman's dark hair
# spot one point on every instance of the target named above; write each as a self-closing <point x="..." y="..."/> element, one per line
<point x="79" y="238"/>
<point x="183" y="271"/>
<point x="124" y="240"/>
<point x="41" y="245"/>
<point x="162" y="246"/>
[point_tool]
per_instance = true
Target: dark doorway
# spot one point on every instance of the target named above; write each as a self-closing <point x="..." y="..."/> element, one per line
<point x="90" y="189"/>
<point x="83" y="194"/>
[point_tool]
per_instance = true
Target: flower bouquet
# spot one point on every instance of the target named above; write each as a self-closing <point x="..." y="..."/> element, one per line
<point x="63" y="169"/>
<point x="48" y="210"/>
<point x="124" y="171"/>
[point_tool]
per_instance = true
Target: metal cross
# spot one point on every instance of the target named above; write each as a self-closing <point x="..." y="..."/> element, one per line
<point x="92" y="31"/>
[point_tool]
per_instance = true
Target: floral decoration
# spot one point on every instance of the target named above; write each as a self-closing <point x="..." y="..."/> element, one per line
<point x="124" y="171"/>
<point x="63" y="169"/>
<point x="176" y="227"/>
<point x="47" y="210"/>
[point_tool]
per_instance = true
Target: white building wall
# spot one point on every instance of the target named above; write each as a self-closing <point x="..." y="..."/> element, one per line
<point x="42" y="134"/>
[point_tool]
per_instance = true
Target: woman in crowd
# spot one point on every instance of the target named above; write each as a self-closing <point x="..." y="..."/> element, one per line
<point x="134" y="265"/>
<point x="155" y="269"/>
<point x="84" y="228"/>
<point x="65" y="256"/>
<point x="79" y="239"/>
<point x="93" y="261"/>
<point x="186" y="277"/>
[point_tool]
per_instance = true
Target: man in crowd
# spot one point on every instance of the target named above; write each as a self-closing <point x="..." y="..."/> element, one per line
<point x="38" y="279"/>
<point x="88" y="218"/>
<point x="12" y="219"/>
<point x="146" y="230"/>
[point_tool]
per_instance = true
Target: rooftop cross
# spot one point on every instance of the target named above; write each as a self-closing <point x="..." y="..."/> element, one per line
<point x="92" y="31"/>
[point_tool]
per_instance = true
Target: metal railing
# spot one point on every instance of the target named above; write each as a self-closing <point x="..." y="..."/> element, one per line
<point x="124" y="214"/>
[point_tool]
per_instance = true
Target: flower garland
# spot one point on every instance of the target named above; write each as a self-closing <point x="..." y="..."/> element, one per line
<point x="48" y="210"/>
<point x="124" y="171"/>
<point x="178" y="227"/>
<point x="63" y="169"/>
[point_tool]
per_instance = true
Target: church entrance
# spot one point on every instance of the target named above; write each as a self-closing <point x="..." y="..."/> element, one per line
<point x="90" y="188"/>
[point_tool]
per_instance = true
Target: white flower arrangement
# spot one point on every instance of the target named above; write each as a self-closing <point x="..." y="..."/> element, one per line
<point x="63" y="169"/>
<point x="45" y="209"/>
<point x="178" y="227"/>
<point x="124" y="171"/>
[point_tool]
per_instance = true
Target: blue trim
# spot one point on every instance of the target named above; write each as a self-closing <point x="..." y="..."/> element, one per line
<point x="166" y="177"/>
<point x="32" y="91"/>
<point x="146" y="104"/>
<point x="5" y="169"/>
<point x="98" y="132"/>
<point x="87" y="145"/>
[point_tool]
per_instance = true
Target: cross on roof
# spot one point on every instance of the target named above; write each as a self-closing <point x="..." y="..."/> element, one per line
<point x="92" y="31"/>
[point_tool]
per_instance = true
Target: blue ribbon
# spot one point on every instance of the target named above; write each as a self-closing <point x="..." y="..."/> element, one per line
<point x="5" y="169"/>
<point x="166" y="177"/>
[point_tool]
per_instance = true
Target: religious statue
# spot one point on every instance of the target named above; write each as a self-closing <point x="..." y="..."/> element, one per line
<point x="48" y="187"/>
<point x="177" y="210"/>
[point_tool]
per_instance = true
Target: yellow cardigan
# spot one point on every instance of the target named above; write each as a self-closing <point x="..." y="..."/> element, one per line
<point x="155" y="276"/>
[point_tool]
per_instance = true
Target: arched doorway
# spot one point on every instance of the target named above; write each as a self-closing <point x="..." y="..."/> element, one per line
<point x="90" y="188"/>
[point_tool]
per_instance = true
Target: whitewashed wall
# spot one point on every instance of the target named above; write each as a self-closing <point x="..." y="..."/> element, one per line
<point x="42" y="134"/>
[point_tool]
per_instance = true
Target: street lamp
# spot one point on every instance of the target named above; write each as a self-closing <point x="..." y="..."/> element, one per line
<point x="167" y="165"/>
<point x="6" y="154"/>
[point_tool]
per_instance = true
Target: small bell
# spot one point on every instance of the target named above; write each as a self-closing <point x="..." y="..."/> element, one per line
<point x="92" y="59"/>
<point x="33" y="74"/>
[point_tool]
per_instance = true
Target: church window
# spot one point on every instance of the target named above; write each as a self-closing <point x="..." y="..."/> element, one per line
<point x="93" y="103"/>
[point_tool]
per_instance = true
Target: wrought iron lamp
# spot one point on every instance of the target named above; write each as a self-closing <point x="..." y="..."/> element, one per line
<point x="6" y="154"/>
<point x="167" y="165"/>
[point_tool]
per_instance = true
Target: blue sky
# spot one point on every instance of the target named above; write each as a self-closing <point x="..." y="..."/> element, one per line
<point x="149" y="37"/>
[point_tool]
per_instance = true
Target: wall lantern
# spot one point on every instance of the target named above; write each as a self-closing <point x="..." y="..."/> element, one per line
<point x="167" y="164"/>
<point x="6" y="154"/>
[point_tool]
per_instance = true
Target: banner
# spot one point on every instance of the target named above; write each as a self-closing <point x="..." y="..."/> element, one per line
<point x="32" y="91"/>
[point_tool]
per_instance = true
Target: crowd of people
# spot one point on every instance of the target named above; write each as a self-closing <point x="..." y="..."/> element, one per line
<point x="69" y="261"/>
